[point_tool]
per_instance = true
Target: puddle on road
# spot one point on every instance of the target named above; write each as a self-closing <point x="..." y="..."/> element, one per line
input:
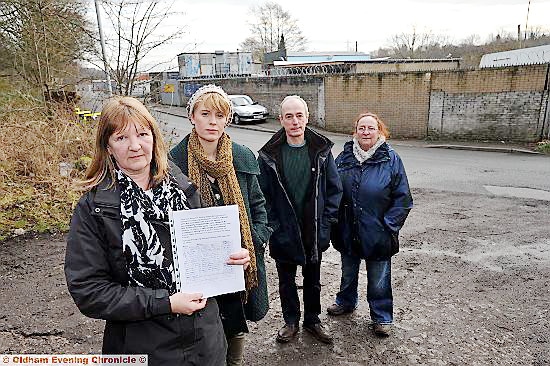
<point x="537" y="194"/>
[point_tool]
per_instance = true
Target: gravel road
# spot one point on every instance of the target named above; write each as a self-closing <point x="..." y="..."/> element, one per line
<point x="471" y="287"/>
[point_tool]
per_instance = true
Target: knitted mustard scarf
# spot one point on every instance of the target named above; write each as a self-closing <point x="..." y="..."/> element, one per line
<point x="222" y="170"/>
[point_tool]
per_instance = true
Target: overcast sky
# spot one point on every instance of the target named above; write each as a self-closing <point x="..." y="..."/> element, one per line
<point x="335" y="25"/>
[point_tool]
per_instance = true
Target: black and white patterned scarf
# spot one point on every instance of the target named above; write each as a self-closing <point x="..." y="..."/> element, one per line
<point x="149" y="262"/>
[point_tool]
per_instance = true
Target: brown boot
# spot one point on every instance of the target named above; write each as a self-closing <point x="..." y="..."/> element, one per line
<point x="319" y="332"/>
<point x="381" y="330"/>
<point x="336" y="310"/>
<point x="287" y="333"/>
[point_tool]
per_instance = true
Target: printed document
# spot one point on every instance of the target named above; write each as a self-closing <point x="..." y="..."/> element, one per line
<point x="202" y="240"/>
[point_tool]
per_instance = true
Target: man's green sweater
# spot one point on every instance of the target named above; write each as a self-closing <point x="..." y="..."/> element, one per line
<point x="297" y="174"/>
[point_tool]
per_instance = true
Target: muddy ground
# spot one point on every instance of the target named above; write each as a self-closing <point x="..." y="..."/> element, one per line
<point x="471" y="287"/>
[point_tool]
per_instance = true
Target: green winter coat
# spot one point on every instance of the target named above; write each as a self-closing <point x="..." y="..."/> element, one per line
<point x="247" y="171"/>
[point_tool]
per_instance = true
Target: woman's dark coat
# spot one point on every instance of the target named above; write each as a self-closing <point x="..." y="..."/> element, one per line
<point x="138" y="319"/>
<point x="246" y="169"/>
<point x="289" y="240"/>
<point x="374" y="206"/>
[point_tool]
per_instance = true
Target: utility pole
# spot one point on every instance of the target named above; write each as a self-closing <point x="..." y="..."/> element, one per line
<point x="101" y="38"/>
<point x="527" y="19"/>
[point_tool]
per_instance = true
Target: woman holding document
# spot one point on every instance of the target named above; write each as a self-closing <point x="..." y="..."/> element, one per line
<point x="226" y="174"/>
<point x="119" y="264"/>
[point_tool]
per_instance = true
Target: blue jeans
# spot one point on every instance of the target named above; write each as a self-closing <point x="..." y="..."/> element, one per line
<point x="379" y="293"/>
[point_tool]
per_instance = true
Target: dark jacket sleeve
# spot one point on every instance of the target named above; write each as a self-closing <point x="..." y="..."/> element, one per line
<point x="189" y="189"/>
<point x="401" y="198"/>
<point x="334" y="191"/>
<point x="90" y="280"/>
<point x="266" y="185"/>
<point x="258" y="212"/>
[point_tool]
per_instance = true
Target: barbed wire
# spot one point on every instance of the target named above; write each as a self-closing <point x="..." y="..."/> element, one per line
<point x="285" y="71"/>
<point x="322" y="70"/>
<point x="310" y="70"/>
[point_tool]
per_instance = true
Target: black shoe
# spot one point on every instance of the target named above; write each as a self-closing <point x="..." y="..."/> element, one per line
<point x="319" y="332"/>
<point x="287" y="333"/>
<point x="336" y="310"/>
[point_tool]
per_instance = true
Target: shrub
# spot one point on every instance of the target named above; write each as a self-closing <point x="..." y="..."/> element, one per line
<point x="34" y="139"/>
<point x="543" y="147"/>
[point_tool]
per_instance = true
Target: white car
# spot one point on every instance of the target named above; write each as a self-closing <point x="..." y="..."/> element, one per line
<point x="247" y="110"/>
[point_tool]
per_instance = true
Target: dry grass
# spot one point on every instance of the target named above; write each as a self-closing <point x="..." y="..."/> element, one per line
<point x="34" y="140"/>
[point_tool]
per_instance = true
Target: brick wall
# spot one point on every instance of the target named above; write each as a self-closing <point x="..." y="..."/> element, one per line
<point x="495" y="104"/>
<point x="369" y="67"/>
<point x="491" y="80"/>
<point x="400" y="99"/>
<point x="510" y="116"/>
<point x="490" y="104"/>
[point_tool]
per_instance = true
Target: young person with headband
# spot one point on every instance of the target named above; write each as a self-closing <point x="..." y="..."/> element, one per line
<point x="226" y="173"/>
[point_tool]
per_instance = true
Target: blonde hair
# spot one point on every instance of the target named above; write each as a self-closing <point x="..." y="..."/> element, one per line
<point x="214" y="101"/>
<point x="117" y="113"/>
<point x="213" y="97"/>
<point x="382" y="128"/>
<point x="297" y="97"/>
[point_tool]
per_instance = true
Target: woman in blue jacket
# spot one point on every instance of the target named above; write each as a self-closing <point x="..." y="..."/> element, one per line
<point x="374" y="206"/>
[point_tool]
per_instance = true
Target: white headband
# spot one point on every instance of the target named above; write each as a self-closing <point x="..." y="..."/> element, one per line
<point x="210" y="88"/>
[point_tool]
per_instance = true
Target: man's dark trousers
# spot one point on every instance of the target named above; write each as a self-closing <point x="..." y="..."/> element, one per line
<point x="288" y="292"/>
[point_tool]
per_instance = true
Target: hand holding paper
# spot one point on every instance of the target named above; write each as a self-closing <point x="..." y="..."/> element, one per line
<point x="241" y="257"/>
<point x="206" y="245"/>
<point x="184" y="303"/>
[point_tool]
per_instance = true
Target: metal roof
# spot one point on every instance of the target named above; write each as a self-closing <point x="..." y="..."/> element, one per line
<point x="522" y="56"/>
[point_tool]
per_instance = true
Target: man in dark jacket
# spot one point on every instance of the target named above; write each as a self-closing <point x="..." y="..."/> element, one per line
<point x="302" y="189"/>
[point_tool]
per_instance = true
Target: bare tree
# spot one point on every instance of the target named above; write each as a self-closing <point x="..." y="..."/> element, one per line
<point x="271" y="23"/>
<point x="471" y="40"/>
<point x="41" y="40"/>
<point x="416" y="44"/>
<point x="469" y="50"/>
<point x="137" y="32"/>
<point x="536" y="32"/>
<point x="501" y="36"/>
<point x="253" y="45"/>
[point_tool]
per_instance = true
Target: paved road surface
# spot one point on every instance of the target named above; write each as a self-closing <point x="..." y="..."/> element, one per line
<point x="432" y="168"/>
